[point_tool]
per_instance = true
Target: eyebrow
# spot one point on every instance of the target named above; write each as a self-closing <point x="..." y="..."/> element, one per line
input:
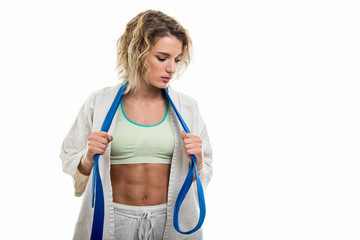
<point x="168" y="55"/>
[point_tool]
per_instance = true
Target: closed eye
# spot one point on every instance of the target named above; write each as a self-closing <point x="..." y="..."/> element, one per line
<point x="161" y="59"/>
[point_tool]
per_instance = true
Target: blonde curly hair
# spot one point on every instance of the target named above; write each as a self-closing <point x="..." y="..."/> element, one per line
<point x="141" y="33"/>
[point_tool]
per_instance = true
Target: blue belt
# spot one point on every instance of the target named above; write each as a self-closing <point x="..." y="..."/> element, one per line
<point x="97" y="190"/>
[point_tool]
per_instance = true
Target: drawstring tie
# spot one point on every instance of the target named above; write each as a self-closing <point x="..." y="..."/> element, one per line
<point x="145" y="232"/>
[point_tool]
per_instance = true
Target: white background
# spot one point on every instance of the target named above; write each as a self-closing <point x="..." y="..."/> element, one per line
<point x="277" y="83"/>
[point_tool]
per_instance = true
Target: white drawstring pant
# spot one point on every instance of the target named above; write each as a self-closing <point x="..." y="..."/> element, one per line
<point x="139" y="222"/>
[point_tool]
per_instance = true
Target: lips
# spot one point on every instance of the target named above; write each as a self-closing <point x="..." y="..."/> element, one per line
<point x="166" y="79"/>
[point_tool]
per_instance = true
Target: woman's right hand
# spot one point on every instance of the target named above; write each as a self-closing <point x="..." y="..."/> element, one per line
<point x="97" y="144"/>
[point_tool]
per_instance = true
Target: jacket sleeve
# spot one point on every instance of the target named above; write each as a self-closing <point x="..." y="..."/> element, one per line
<point x="75" y="143"/>
<point x="201" y="130"/>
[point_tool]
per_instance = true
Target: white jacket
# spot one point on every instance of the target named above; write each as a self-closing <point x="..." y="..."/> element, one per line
<point x="90" y="119"/>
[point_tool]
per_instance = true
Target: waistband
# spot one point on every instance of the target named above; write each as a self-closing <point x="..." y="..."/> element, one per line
<point x="138" y="211"/>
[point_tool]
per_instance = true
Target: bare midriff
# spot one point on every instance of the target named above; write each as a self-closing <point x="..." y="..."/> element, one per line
<point x="143" y="184"/>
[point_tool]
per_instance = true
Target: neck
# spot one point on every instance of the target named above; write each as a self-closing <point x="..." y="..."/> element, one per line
<point x="146" y="92"/>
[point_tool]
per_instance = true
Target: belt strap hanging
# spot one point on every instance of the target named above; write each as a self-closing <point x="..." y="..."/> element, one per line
<point x="98" y="200"/>
<point x="97" y="190"/>
<point x="187" y="183"/>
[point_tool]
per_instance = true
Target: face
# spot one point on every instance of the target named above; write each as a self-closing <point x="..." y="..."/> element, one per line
<point x="163" y="60"/>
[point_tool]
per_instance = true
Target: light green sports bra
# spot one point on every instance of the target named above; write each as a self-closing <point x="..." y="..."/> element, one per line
<point x="136" y="143"/>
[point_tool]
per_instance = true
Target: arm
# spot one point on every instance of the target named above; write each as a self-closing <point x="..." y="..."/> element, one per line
<point x="74" y="146"/>
<point x="198" y="143"/>
<point x="96" y="144"/>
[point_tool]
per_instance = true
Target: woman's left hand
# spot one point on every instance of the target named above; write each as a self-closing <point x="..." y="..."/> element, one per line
<point x="193" y="145"/>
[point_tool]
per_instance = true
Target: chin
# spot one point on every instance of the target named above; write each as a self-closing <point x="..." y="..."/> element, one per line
<point x="159" y="84"/>
<point x="162" y="85"/>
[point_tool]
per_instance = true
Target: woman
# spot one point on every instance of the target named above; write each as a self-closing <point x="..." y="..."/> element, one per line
<point x="144" y="157"/>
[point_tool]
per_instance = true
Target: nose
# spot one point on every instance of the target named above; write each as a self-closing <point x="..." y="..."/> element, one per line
<point x="171" y="67"/>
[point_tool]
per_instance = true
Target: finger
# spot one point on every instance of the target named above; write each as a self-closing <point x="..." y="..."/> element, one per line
<point x="183" y="134"/>
<point x="192" y="141"/>
<point x="101" y="134"/>
<point x="190" y="135"/>
<point x="97" y="145"/>
<point x="186" y="135"/>
<point x="104" y="137"/>
<point x="96" y="138"/>
<point x="190" y="144"/>
<point x="95" y="150"/>
<point x="195" y="151"/>
<point x="100" y="151"/>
